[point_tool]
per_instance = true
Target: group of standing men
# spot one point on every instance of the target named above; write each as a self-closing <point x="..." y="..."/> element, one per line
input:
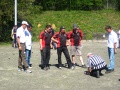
<point x="62" y="39"/>
<point x="73" y="38"/>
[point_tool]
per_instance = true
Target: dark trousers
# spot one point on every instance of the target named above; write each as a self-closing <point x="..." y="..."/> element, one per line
<point x="45" y="56"/>
<point x="94" y="71"/>
<point x="54" y="45"/>
<point x="119" y="43"/>
<point x="12" y="42"/>
<point x="15" y="40"/>
<point x="67" y="56"/>
<point x="22" y="58"/>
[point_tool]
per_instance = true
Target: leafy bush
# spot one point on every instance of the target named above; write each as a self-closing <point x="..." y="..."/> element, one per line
<point x="72" y="4"/>
<point x="26" y="8"/>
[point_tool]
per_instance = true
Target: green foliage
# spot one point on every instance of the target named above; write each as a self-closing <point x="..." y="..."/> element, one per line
<point x="6" y="13"/>
<point x="89" y="21"/>
<point x="26" y="8"/>
<point x="30" y="10"/>
<point x="72" y="4"/>
<point x="118" y="5"/>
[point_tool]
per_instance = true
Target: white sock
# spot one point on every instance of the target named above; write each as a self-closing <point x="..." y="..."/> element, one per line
<point x="81" y="60"/>
<point x="73" y="60"/>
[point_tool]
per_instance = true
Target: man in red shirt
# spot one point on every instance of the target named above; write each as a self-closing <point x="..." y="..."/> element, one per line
<point x="45" y="45"/>
<point x="61" y="39"/>
<point x="75" y="36"/>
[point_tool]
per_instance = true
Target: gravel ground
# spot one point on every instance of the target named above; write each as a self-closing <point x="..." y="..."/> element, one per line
<point x="56" y="79"/>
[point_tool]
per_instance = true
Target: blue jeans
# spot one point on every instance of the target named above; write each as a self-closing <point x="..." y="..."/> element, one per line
<point x="111" y="57"/>
<point x="54" y="45"/>
<point x="28" y="56"/>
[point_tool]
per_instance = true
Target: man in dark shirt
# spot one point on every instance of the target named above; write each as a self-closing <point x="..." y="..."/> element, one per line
<point x="61" y="39"/>
<point x="45" y="45"/>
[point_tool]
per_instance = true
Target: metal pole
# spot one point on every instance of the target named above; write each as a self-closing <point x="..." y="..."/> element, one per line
<point x="15" y="12"/>
<point x="107" y="4"/>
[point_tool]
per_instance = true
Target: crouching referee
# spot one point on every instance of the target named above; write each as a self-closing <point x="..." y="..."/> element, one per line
<point x="95" y="65"/>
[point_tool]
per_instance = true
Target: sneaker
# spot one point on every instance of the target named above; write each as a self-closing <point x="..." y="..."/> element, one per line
<point x="84" y="66"/>
<point x="101" y="74"/>
<point x="112" y="70"/>
<point x="48" y="67"/>
<point x="45" y="68"/>
<point x="19" y="69"/>
<point x="28" y="71"/>
<point x="98" y="74"/>
<point x="60" y="67"/>
<point x="71" y="67"/>
<point x="109" y="71"/>
<point x="30" y="67"/>
<point x="86" y="73"/>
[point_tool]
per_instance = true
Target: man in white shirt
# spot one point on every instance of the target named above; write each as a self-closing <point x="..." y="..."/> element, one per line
<point x="21" y="40"/>
<point x="112" y="45"/>
<point x="28" y="44"/>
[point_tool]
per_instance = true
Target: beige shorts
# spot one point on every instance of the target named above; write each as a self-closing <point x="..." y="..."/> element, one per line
<point x="76" y="50"/>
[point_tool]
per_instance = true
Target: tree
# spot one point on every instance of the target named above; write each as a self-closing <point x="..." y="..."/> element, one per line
<point x="6" y="16"/>
<point x="118" y="5"/>
<point x="25" y="9"/>
<point x="72" y="4"/>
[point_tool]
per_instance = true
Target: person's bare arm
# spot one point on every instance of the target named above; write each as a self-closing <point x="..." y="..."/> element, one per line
<point x="68" y="42"/>
<point x="54" y="40"/>
<point x="51" y="46"/>
<point x="41" y="44"/>
<point x="89" y="70"/>
<point x="18" y="41"/>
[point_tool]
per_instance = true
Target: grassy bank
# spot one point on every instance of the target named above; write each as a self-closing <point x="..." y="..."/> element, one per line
<point x="89" y="21"/>
<point x="5" y="44"/>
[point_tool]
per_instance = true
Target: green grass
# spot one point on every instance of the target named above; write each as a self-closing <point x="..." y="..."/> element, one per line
<point x="5" y="44"/>
<point x="89" y="21"/>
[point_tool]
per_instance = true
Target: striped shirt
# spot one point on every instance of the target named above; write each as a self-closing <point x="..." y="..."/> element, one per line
<point x="96" y="62"/>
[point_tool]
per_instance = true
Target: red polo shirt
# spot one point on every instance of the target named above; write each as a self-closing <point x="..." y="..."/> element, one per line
<point x="46" y="38"/>
<point x="75" y="38"/>
<point x="61" y="38"/>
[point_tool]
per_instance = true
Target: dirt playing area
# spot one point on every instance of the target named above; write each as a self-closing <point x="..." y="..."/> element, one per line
<point x="56" y="79"/>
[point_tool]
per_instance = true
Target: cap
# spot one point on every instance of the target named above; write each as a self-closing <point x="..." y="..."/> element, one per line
<point x="62" y="27"/>
<point x="25" y="22"/>
<point x="75" y="26"/>
<point x="89" y="54"/>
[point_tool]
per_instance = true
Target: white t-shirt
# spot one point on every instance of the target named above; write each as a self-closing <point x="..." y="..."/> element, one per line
<point x="28" y="40"/>
<point x="21" y="33"/>
<point x="112" y="38"/>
